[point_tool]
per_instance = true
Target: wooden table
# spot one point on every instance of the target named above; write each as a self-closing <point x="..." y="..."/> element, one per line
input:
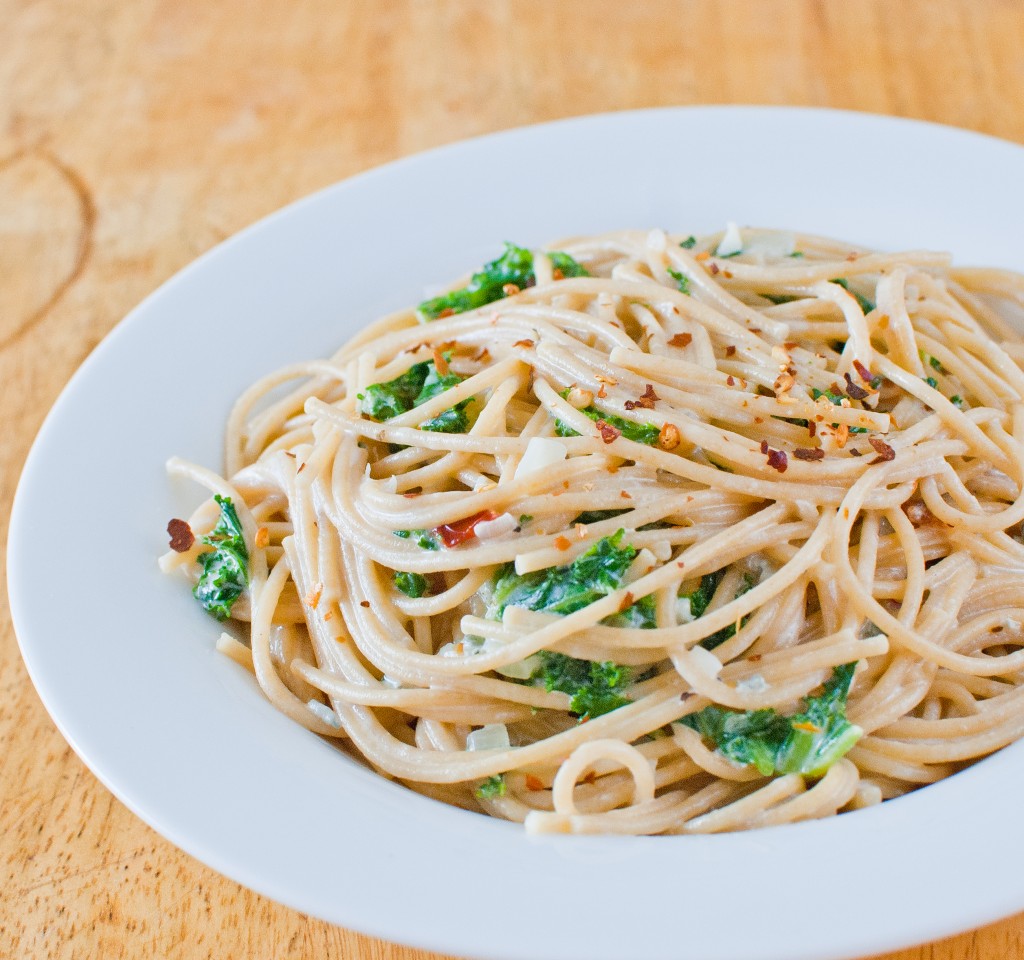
<point x="136" y="135"/>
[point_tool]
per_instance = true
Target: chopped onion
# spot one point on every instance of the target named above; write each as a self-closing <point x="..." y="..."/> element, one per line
<point x="683" y="612"/>
<point x="493" y="736"/>
<point x="488" y="529"/>
<point x="731" y="242"/>
<point x="705" y="661"/>
<point x="541" y="453"/>
<point x="324" y="713"/>
<point x="755" y="683"/>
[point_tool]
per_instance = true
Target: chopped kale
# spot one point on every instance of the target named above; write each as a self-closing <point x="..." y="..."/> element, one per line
<point x="720" y="636"/>
<point x="807" y="743"/>
<point x="865" y="304"/>
<point x="778" y="298"/>
<point x="596" y="516"/>
<point x="957" y="400"/>
<point x="681" y="279"/>
<point x="689" y="243"/>
<point x="524" y="519"/>
<point x="225" y="568"/>
<point x="491" y="788"/>
<point x="514" y="266"/>
<point x="934" y="362"/>
<point x="594" y="687"/>
<point x="423" y="539"/>
<point x="641" y="615"/>
<point x="564" y="590"/>
<point x="932" y="382"/>
<point x="411" y="584"/>
<point x="420" y="383"/>
<point x="640" y="432"/>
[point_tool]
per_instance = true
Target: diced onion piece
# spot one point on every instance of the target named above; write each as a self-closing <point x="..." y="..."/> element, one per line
<point x="683" y="612"/>
<point x="755" y="683"/>
<point x="488" y="529"/>
<point x="705" y="661"/>
<point x="324" y="713"/>
<point x="493" y="736"/>
<point x="773" y="245"/>
<point x="541" y="453"/>
<point x="731" y="242"/>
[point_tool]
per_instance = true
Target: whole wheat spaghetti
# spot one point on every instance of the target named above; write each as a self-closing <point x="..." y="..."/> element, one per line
<point x="647" y="534"/>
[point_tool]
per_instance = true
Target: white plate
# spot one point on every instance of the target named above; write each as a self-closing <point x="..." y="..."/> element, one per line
<point x="123" y="658"/>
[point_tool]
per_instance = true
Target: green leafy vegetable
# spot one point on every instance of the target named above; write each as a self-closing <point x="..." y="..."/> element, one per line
<point x="932" y="382"/>
<point x="411" y="584"/>
<point x="524" y="519"/>
<point x="703" y="595"/>
<point x="689" y="243"/>
<point x="640" y="432"/>
<point x="807" y="743"/>
<point x="420" y="383"/>
<point x="681" y="279"/>
<point x="594" y="687"/>
<point x="514" y="266"/>
<point x="720" y="636"/>
<point x="422" y="538"/>
<point x="491" y="788"/>
<point x="865" y="304"/>
<point x="957" y="400"/>
<point x="564" y="590"/>
<point x="225" y="568"/>
<point x="778" y="298"/>
<point x="639" y="616"/>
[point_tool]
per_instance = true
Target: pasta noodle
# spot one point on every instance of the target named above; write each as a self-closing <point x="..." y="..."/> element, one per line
<point x="661" y="535"/>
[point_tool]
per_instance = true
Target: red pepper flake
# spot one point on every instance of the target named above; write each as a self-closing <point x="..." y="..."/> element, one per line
<point x="681" y="340"/>
<point x="778" y="460"/>
<point x="764" y="447"/>
<point x="884" y="451"/>
<point x="262" y="537"/>
<point x="562" y="543"/>
<point x="288" y="453"/>
<point x="313" y="596"/>
<point x="302" y="466"/>
<point x="510" y="289"/>
<point x="608" y="433"/>
<point x="852" y="390"/>
<point x="523" y="343"/>
<point x="452" y="534"/>
<point x="410" y="496"/>
<point x="669" y="437"/>
<point x="181" y="535"/>
<point x="557" y="274"/>
<point x="446" y="312"/>
<point x="863" y="372"/>
<point x="703" y="255"/>
<point x="625" y="494"/>
<point x="602" y="392"/>
<point x="328" y="615"/>
<point x="730" y="380"/>
<point x="365" y="604"/>
<point x="627" y="602"/>
<point x="534" y="783"/>
<point x="804" y="453"/>
<point x="727" y="274"/>
<point x="807" y="727"/>
<point x="812" y="428"/>
<point x="842" y="434"/>
<point x="713" y="268"/>
<point x="854" y="452"/>
<point x="440" y="363"/>
<point x="730" y="351"/>
<point x="646" y="401"/>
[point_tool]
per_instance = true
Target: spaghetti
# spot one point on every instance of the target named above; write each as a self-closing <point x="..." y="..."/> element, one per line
<point x="650" y="534"/>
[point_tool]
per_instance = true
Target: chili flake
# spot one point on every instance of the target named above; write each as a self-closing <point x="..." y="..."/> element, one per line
<point x="681" y="340"/>
<point x="181" y="534"/>
<point x="608" y="433"/>
<point x="884" y="451"/>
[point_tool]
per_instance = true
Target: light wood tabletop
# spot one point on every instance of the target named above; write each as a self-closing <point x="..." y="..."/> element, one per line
<point x="136" y="135"/>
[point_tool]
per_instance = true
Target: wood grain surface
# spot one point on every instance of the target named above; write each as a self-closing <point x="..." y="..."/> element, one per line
<point x="136" y="135"/>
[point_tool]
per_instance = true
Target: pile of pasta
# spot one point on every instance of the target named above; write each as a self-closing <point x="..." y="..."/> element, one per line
<point x="673" y="535"/>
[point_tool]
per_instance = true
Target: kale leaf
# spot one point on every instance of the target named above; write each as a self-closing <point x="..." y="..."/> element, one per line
<point x="491" y="788"/>
<point x="225" y="568"/>
<point x="807" y="743"/>
<point x="640" y="432"/>
<point x="594" y="687"/>
<point x="514" y="266"/>
<point x="420" y="383"/>
<point x="411" y="584"/>
<point x="681" y="279"/>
